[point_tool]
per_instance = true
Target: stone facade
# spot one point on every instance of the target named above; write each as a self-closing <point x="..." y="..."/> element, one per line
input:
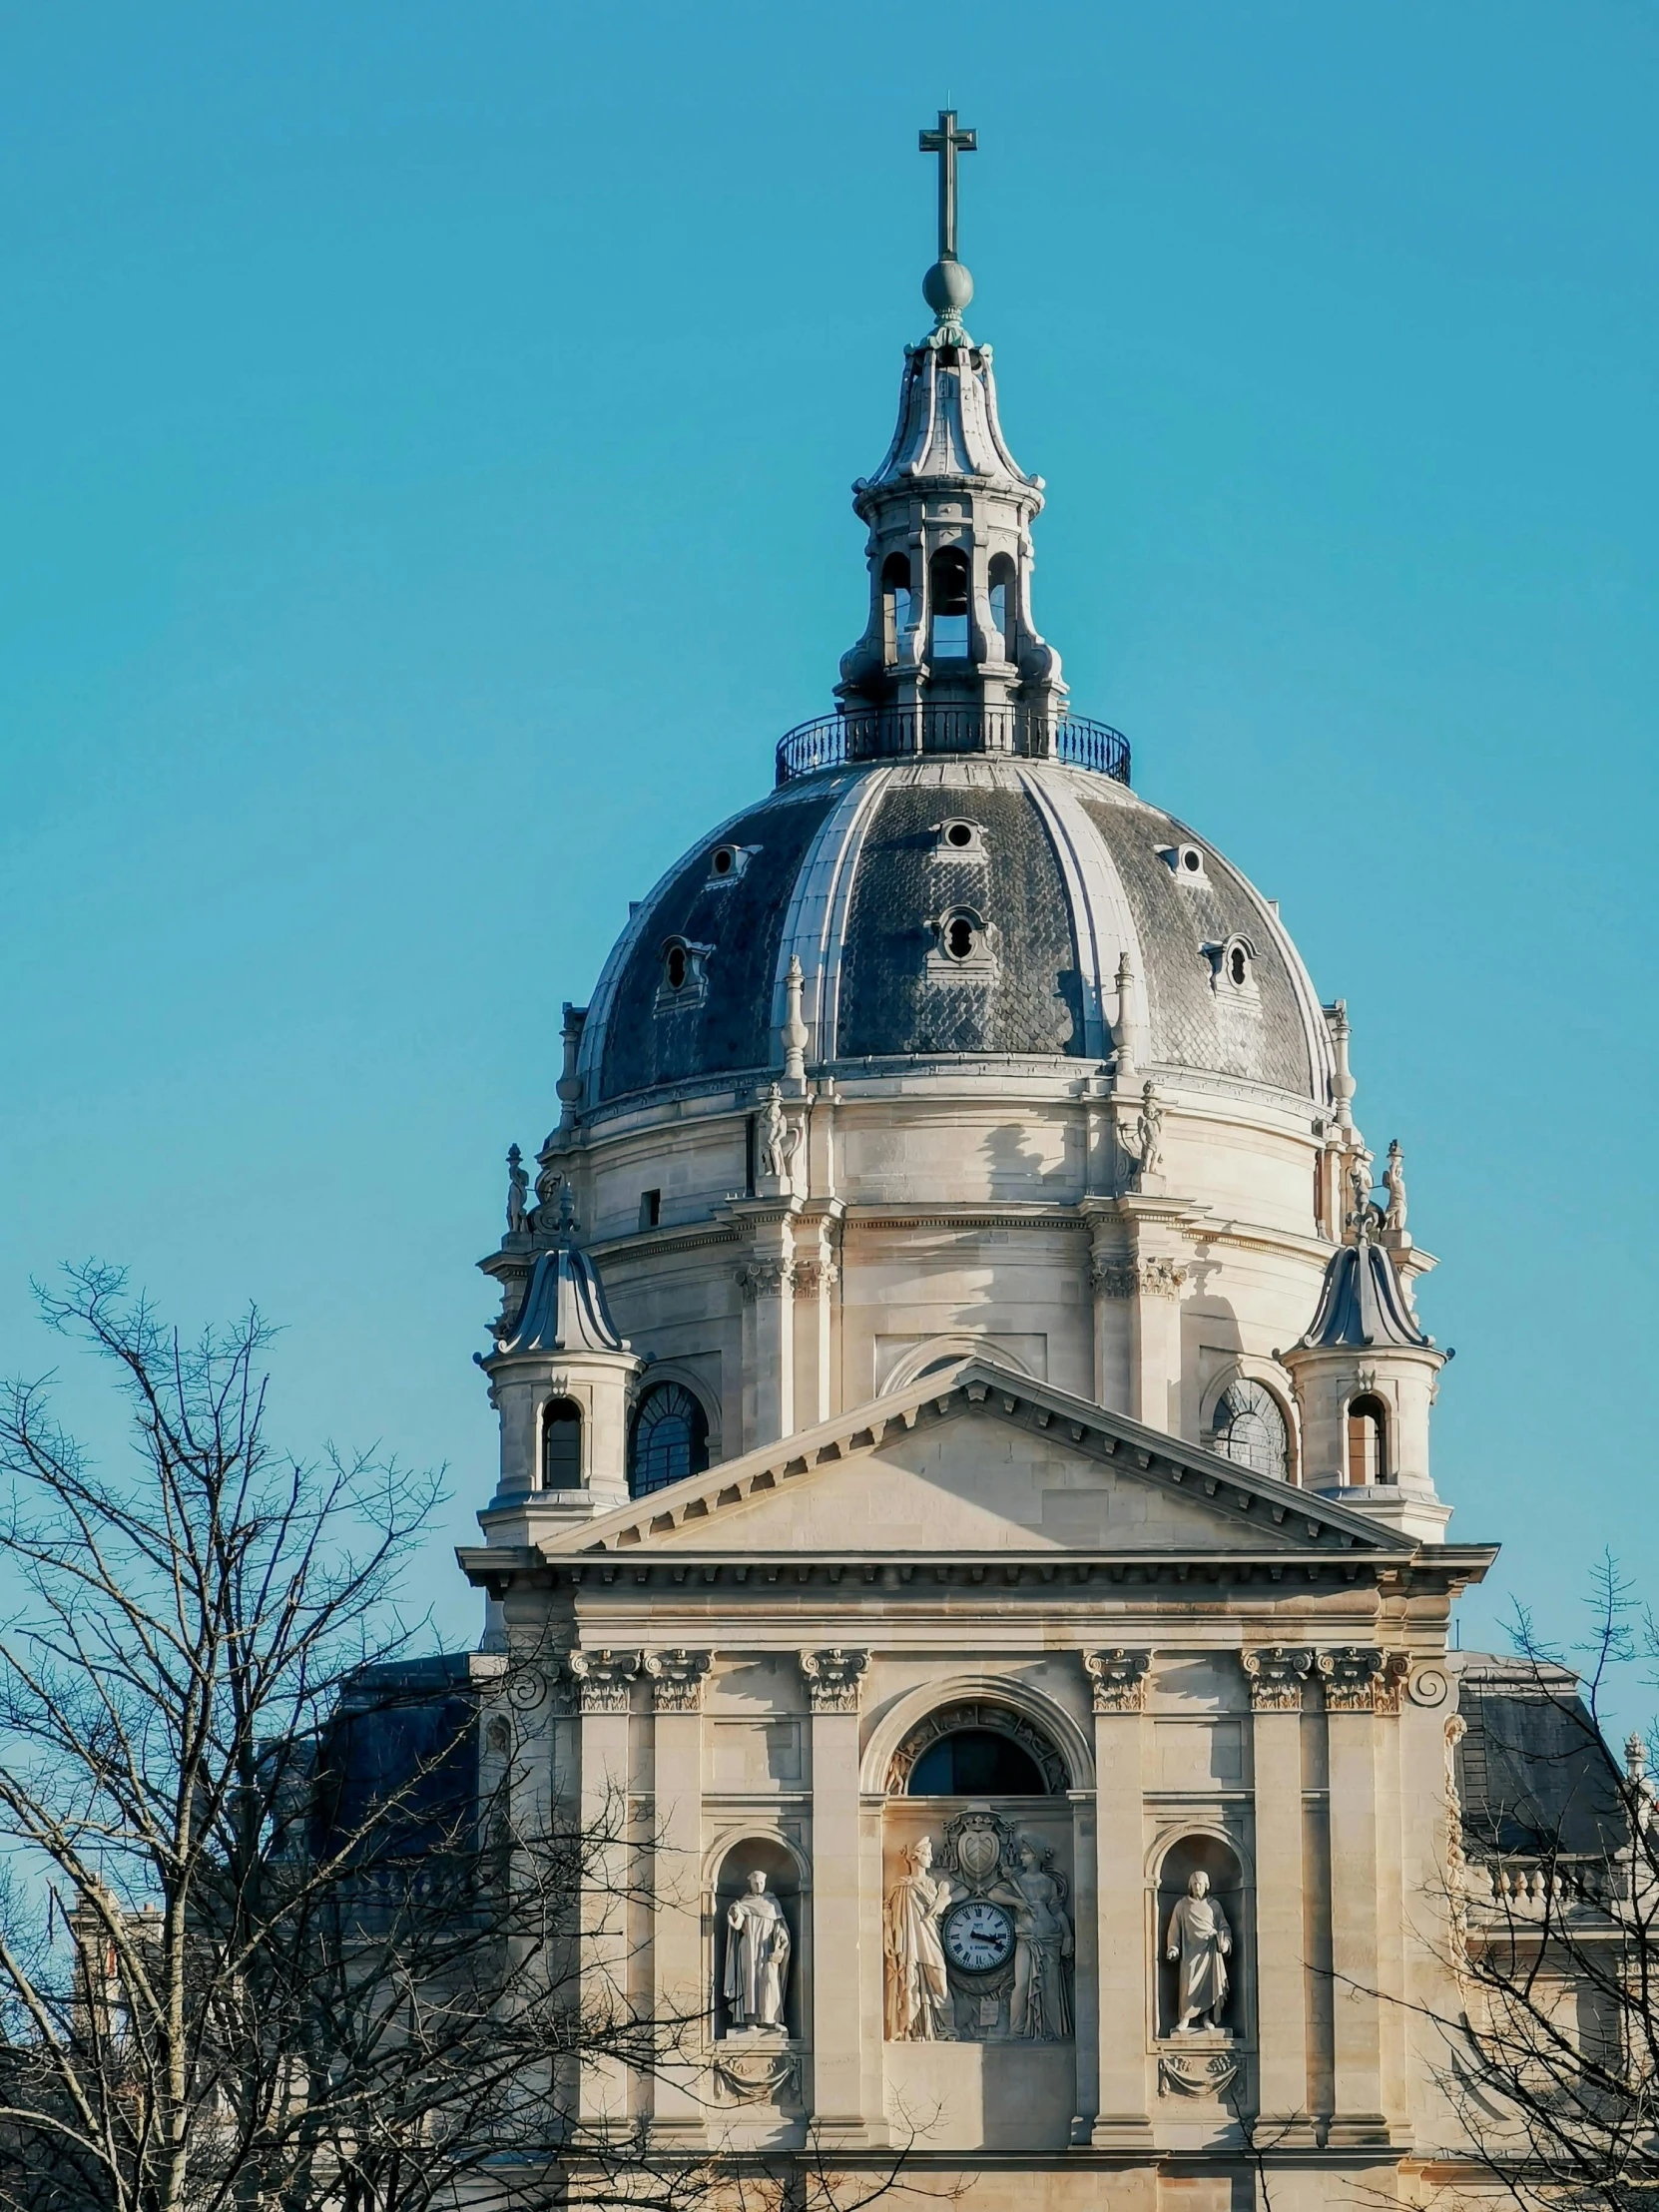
<point x="1037" y="1596"/>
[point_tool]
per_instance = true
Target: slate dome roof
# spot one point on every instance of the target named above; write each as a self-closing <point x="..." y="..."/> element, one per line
<point x="1053" y="875"/>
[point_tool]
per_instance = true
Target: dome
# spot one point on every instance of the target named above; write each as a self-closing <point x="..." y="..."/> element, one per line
<point x="953" y="910"/>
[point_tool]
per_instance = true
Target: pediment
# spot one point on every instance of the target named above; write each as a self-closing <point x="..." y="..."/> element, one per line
<point x="976" y="1459"/>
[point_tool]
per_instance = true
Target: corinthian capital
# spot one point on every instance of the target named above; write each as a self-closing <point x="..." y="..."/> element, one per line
<point x="677" y="1678"/>
<point x="1361" y="1679"/>
<point x="603" y="1679"/>
<point x="1275" y="1673"/>
<point x="1119" y="1679"/>
<point x="834" y="1678"/>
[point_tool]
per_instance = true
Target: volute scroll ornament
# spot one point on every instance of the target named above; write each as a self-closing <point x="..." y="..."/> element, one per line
<point x="1118" y="1678"/>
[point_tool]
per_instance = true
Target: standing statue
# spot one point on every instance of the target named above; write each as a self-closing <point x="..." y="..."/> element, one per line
<point x="918" y="1993"/>
<point x="519" y="1189"/>
<point x="776" y="1151"/>
<point x="1365" y="1212"/>
<point x="1394" y="1182"/>
<point x="756" y="1956"/>
<point x="1040" y="2005"/>
<point x="1149" y="1133"/>
<point x="1198" y="1941"/>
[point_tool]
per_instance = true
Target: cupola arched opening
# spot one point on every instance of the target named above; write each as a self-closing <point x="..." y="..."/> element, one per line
<point x="982" y="1749"/>
<point x="947" y="586"/>
<point x="895" y="603"/>
<point x="1368" y="1439"/>
<point x="669" y="1440"/>
<point x="561" y="1445"/>
<point x="1004" y="595"/>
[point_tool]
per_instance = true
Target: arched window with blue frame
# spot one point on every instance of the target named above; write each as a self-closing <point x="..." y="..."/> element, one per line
<point x="670" y="1438"/>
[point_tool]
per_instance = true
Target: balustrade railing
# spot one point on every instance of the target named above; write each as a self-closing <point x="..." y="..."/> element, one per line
<point x="900" y="732"/>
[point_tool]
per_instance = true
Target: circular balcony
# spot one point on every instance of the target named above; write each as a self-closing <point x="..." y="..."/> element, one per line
<point x="905" y="732"/>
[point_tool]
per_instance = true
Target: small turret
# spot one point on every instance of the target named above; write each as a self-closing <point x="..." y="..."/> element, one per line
<point x="1365" y="1378"/>
<point x="560" y="1380"/>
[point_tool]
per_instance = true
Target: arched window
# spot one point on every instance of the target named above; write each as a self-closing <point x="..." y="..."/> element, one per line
<point x="1003" y="604"/>
<point x="1249" y="1428"/>
<point x="976" y="1762"/>
<point x="949" y="582"/>
<point x="895" y="603"/>
<point x="1368" y="1439"/>
<point x="670" y="1440"/>
<point x="561" y="1445"/>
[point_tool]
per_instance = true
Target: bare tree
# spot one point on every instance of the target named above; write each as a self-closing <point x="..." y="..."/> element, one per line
<point x="1552" y="2052"/>
<point x="276" y="1932"/>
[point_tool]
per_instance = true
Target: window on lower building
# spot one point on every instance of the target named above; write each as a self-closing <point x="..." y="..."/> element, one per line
<point x="1250" y="1427"/>
<point x="670" y="1439"/>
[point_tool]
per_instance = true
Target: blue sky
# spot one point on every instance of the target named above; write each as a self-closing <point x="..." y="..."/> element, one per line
<point x="427" y="434"/>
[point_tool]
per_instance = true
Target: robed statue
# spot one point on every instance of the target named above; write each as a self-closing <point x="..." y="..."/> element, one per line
<point x="1198" y="1942"/>
<point x="918" y="1990"/>
<point x="1039" y="2004"/>
<point x="756" y="1956"/>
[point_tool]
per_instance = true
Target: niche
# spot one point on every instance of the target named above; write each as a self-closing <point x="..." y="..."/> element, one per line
<point x="1187" y="1856"/>
<point x="766" y="1855"/>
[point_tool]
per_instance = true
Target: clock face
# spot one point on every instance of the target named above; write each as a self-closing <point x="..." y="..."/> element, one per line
<point x="978" y="1936"/>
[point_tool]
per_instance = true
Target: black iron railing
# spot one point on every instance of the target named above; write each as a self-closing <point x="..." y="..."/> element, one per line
<point x="899" y="733"/>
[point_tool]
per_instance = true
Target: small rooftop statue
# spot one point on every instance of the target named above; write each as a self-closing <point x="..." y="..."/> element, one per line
<point x="1394" y="1182"/>
<point x="518" y="1190"/>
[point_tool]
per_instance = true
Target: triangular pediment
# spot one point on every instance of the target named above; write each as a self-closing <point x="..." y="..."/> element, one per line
<point x="974" y="1458"/>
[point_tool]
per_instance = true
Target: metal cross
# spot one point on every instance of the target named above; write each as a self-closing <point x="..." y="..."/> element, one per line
<point x="947" y="142"/>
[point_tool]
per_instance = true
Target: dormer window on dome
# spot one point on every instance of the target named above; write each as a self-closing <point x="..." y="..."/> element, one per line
<point x="1232" y="972"/>
<point x="685" y="975"/>
<point x="964" y="945"/>
<point x="1186" y="864"/>
<point x="728" y="861"/>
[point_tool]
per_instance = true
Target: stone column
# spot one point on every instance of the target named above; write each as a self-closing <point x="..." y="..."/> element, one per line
<point x="604" y="1682"/>
<point x="833" y="1681"/>
<point x="1111" y="1287"/>
<point x="768" y="1287"/>
<point x="680" y="1993"/>
<point x="1119" y="1681"/>
<point x="814" y="1284"/>
<point x="1276" y="1674"/>
<point x="1356" y="1690"/>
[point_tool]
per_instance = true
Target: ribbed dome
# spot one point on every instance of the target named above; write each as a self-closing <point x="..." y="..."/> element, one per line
<point x="951" y="910"/>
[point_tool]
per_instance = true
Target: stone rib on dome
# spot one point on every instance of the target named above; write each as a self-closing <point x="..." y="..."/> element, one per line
<point x="849" y="873"/>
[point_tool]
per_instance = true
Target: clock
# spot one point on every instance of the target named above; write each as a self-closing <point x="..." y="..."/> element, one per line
<point x="979" y="1936"/>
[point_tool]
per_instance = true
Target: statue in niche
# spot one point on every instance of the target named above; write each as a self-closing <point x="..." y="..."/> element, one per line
<point x="1198" y="1942"/>
<point x="918" y="1990"/>
<point x="1394" y="1182"/>
<point x="519" y="1189"/>
<point x="1039" y="2006"/>
<point x="757" y="1957"/>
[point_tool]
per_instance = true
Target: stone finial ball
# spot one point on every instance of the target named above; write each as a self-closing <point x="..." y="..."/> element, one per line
<point x="948" y="286"/>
